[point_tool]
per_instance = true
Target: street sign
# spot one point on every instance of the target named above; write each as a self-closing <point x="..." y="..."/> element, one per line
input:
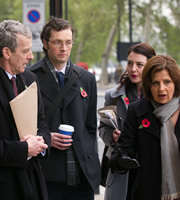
<point x="122" y="50"/>
<point x="34" y="18"/>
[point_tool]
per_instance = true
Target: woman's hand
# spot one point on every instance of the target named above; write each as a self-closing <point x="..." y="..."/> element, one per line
<point x="115" y="135"/>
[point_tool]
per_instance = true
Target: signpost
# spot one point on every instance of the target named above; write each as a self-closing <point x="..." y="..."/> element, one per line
<point x="34" y="18"/>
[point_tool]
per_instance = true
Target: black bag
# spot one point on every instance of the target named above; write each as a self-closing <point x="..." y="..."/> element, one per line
<point x="104" y="167"/>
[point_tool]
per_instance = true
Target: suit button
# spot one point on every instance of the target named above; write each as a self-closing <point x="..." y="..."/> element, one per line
<point x="89" y="156"/>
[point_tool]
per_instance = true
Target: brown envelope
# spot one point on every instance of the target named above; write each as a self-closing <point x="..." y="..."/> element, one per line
<point x="24" y="109"/>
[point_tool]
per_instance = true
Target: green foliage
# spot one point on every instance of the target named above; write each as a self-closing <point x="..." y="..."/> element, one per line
<point x="6" y="9"/>
<point x="169" y="37"/>
<point x="92" y="20"/>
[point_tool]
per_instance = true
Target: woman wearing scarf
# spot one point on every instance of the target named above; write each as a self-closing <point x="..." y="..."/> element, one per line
<point x="150" y="139"/>
<point x="128" y="90"/>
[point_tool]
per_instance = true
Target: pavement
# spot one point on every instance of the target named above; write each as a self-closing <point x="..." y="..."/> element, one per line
<point x="100" y="196"/>
<point x="101" y="92"/>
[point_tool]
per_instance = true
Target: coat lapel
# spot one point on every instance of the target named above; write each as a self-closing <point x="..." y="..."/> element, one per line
<point x="72" y="92"/>
<point x="145" y="111"/>
<point x="50" y="91"/>
<point x="7" y="94"/>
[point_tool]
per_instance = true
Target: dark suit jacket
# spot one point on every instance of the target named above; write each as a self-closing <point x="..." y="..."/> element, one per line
<point x="76" y="111"/>
<point x="145" y="143"/>
<point x="19" y="178"/>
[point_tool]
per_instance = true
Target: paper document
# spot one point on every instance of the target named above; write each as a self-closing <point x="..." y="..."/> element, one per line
<point x="108" y="116"/>
<point x="24" y="109"/>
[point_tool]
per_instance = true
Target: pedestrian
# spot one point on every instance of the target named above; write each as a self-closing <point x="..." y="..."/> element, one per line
<point x="150" y="139"/>
<point x="128" y="90"/>
<point x="20" y="170"/>
<point x="73" y="169"/>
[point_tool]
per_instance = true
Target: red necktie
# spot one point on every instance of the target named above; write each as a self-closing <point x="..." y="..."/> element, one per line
<point x="13" y="79"/>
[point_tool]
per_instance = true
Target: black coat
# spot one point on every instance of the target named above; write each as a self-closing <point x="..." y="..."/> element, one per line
<point x="76" y="111"/>
<point x="19" y="178"/>
<point x="144" y="144"/>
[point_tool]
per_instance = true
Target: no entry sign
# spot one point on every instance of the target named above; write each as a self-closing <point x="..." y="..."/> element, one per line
<point x="34" y="18"/>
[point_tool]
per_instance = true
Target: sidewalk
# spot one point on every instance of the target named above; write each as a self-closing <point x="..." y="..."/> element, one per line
<point x="101" y="93"/>
<point x="100" y="196"/>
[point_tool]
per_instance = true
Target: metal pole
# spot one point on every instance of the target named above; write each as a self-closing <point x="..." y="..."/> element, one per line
<point x="38" y="56"/>
<point x="56" y="8"/>
<point x="59" y="8"/>
<point x="52" y="7"/>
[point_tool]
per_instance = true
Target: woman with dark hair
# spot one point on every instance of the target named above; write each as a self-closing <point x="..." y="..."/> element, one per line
<point x="150" y="139"/>
<point x="127" y="91"/>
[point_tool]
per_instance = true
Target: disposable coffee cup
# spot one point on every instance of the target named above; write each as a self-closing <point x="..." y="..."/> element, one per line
<point x="66" y="129"/>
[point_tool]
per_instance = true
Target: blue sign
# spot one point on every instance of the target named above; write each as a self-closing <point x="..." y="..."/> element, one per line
<point x="33" y="16"/>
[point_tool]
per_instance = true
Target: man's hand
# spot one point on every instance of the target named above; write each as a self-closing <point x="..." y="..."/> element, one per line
<point x="60" y="141"/>
<point x="36" y="144"/>
<point x="122" y="163"/>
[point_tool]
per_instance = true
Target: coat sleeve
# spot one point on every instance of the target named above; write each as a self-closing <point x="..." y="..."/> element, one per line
<point x="13" y="153"/>
<point x="43" y="129"/>
<point x="105" y="132"/>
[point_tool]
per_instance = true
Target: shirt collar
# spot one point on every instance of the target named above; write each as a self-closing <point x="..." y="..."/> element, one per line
<point x="62" y="70"/>
<point x="10" y="75"/>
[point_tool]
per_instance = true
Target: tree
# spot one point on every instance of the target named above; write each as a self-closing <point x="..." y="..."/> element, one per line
<point x="105" y="55"/>
<point x="94" y="22"/>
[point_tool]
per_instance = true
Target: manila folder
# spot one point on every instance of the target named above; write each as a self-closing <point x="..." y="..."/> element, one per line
<point x="24" y="109"/>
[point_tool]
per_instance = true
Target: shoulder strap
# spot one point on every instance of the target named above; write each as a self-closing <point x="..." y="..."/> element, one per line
<point x="63" y="91"/>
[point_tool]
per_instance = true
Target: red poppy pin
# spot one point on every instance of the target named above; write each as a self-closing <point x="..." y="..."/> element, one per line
<point x="83" y="93"/>
<point x="126" y="100"/>
<point x="145" y="124"/>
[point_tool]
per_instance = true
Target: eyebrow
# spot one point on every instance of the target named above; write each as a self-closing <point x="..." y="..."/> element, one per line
<point x="137" y="61"/>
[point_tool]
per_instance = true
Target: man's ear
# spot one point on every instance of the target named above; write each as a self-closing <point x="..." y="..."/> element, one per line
<point x="45" y="43"/>
<point x="6" y="52"/>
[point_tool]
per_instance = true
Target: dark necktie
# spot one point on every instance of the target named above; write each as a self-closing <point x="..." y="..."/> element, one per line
<point x="13" y="80"/>
<point x="60" y="77"/>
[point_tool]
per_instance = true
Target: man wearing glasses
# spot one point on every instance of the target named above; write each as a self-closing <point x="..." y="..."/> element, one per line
<point x="73" y="169"/>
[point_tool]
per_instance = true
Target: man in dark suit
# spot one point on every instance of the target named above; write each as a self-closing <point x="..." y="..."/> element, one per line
<point x="73" y="169"/>
<point x="20" y="171"/>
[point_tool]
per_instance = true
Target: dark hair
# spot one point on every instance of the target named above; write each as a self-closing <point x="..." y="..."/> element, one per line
<point x="141" y="48"/>
<point x="56" y="24"/>
<point x="157" y="64"/>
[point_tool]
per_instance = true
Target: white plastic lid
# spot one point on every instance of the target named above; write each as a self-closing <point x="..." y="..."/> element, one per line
<point x="65" y="127"/>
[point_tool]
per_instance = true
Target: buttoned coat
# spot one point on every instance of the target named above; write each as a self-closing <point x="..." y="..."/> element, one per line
<point x="17" y="174"/>
<point x="144" y="145"/>
<point x="77" y="111"/>
<point x="116" y="184"/>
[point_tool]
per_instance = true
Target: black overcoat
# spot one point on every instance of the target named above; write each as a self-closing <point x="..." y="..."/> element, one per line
<point x="77" y="111"/>
<point x="144" y="144"/>
<point x="19" y="178"/>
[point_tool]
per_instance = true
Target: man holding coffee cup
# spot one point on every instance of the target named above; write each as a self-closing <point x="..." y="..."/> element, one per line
<point x="73" y="169"/>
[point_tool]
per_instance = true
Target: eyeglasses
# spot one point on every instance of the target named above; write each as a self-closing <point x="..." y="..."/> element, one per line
<point x="60" y="44"/>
